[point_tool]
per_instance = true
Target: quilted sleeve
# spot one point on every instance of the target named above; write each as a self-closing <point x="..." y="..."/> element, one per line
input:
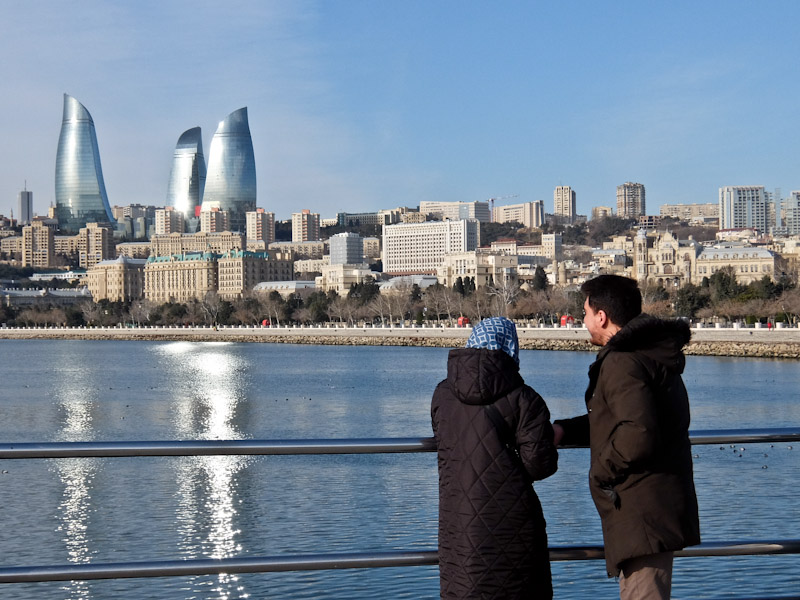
<point x="535" y="436"/>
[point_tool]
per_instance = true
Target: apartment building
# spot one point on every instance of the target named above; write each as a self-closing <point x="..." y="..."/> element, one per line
<point x="631" y="200"/>
<point x="564" y="203"/>
<point x="38" y="245"/>
<point x="743" y="207"/>
<point x="305" y="226"/>
<point x="260" y="225"/>
<point x="214" y="220"/>
<point x="168" y="220"/>
<point x="528" y="214"/>
<point x="239" y="271"/>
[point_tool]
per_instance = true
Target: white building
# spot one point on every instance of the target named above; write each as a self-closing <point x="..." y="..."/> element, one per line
<point x="418" y="248"/>
<point x="346" y="249"/>
<point x="529" y="214"/>
<point x="564" y="203"/>
<point x="743" y="207"/>
<point x="454" y="211"/>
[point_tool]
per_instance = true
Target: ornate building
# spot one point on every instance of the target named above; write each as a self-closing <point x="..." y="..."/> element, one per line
<point x="120" y="280"/>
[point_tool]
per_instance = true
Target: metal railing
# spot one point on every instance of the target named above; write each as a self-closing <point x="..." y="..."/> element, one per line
<point x="307" y="562"/>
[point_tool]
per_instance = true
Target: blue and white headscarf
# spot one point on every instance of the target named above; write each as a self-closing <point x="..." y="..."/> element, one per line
<point x="496" y="333"/>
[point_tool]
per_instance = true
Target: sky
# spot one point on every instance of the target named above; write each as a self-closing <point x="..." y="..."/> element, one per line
<point x="360" y="105"/>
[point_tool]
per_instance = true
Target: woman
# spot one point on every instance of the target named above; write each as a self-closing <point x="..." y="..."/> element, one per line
<point x="494" y="438"/>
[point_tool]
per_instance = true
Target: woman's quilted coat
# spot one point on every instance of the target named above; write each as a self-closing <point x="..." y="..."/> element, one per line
<point x="492" y="540"/>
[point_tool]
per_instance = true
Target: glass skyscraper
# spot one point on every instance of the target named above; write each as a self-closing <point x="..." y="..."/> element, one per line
<point x="231" y="178"/>
<point x="188" y="177"/>
<point x="80" y="191"/>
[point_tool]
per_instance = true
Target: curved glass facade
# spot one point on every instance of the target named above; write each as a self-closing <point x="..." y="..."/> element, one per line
<point x="231" y="178"/>
<point x="80" y="191"/>
<point x="188" y="177"/>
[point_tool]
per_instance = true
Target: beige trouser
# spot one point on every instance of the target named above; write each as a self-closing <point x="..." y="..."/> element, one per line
<point x="646" y="577"/>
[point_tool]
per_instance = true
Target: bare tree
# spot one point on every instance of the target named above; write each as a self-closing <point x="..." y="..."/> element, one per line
<point x="211" y="305"/>
<point x="380" y="307"/>
<point x="789" y="302"/>
<point x="140" y="311"/>
<point x="504" y="295"/>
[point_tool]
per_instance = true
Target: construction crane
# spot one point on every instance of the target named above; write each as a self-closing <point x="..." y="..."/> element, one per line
<point x="491" y="202"/>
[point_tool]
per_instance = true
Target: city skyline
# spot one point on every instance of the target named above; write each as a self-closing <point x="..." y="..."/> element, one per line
<point x="358" y="107"/>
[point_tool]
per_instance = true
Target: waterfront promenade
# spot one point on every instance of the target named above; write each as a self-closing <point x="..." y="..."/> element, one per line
<point x="723" y="341"/>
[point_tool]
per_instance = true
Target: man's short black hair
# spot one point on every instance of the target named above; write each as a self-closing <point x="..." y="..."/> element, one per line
<point x="619" y="297"/>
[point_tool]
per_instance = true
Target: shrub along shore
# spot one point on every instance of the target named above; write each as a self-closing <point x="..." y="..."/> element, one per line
<point x="745" y="342"/>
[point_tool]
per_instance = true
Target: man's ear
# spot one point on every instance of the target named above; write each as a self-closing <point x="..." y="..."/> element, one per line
<point x="602" y="317"/>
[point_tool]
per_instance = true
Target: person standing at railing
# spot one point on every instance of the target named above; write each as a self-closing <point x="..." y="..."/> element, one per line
<point x="637" y="428"/>
<point x="493" y="438"/>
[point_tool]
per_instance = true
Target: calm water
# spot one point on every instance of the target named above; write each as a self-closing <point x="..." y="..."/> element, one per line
<point x="135" y="509"/>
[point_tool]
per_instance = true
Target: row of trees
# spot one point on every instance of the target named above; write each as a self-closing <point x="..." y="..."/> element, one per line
<point x="718" y="297"/>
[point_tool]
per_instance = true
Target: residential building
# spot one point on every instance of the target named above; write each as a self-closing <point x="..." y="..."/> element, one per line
<point x="260" y="225"/>
<point x="630" y="200"/>
<point x="169" y="220"/>
<point x="305" y="226"/>
<point x="691" y="212"/>
<point x="455" y="211"/>
<point x="95" y="243"/>
<point x="134" y="249"/>
<point x="564" y="203"/>
<point x="38" y="245"/>
<point x="743" y="207"/>
<point x="215" y="220"/>
<point x="300" y="250"/>
<point x="372" y="248"/>
<point x="528" y="214"/>
<point x="376" y="219"/>
<point x="420" y="248"/>
<point x="231" y="176"/>
<point x="80" y="190"/>
<point x="346" y="249"/>
<point x="187" y="179"/>
<point x="25" y="214"/>
<point x="792" y="213"/>
<point x="118" y="280"/>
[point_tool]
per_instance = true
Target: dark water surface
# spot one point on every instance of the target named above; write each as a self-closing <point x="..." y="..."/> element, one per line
<point x="135" y="509"/>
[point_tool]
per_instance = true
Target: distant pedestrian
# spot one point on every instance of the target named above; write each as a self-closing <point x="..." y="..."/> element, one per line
<point x="637" y="428"/>
<point x="494" y="438"/>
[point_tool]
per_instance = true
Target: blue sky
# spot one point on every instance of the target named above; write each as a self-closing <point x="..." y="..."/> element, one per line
<point x="361" y="105"/>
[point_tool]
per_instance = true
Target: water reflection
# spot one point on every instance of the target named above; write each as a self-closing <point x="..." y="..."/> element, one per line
<point x="207" y="409"/>
<point x="77" y="399"/>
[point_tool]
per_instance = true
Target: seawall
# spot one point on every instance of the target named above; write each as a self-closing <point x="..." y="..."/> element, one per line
<point x="746" y="342"/>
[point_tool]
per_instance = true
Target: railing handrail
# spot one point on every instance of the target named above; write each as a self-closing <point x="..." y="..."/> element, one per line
<point x="316" y="562"/>
<point x="318" y="446"/>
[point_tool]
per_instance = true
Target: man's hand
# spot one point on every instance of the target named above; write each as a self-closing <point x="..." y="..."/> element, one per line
<point x="558" y="434"/>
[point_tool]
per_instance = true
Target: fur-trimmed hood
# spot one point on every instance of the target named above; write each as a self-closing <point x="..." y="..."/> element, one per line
<point x="660" y="339"/>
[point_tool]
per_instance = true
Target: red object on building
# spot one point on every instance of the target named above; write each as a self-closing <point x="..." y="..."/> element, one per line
<point x="567" y="320"/>
<point x="463" y="321"/>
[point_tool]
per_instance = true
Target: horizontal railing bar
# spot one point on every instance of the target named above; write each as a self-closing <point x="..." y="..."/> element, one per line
<point x="319" y="562"/>
<point x="333" y="446"/>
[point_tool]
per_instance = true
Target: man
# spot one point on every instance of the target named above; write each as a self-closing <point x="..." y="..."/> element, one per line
<point x="637" y="428"/>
